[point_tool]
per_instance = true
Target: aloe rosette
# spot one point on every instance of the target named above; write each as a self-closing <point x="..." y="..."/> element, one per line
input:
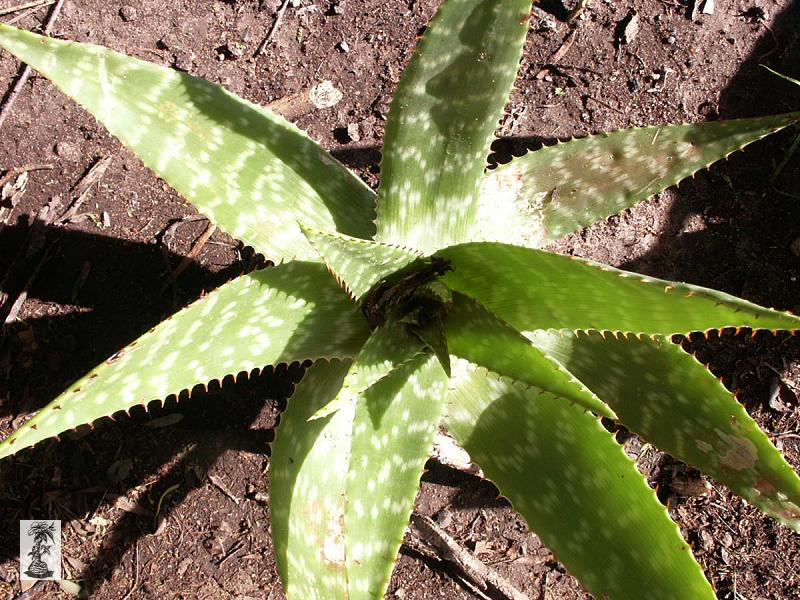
<point x="431" y="302"/>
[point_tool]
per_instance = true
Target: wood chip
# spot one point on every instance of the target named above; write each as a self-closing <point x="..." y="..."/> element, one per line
<point x="220" y="485"/>
<point x="129" y="506"/>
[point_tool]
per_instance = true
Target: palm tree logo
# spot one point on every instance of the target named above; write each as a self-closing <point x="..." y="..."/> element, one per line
<point x="42" y="532"/>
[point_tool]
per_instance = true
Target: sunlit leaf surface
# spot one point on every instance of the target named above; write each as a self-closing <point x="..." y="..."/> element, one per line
<point x="532" y="289"/>
<point x="581" y="494"/>
<point x="443" y="115"/>
<point x="247" y="169"/>
<point x="284" y="314"/>
<point x="553" y="191"/>
<point x="671" y="400"/>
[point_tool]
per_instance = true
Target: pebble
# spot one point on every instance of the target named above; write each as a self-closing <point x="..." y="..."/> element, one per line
<point x="68" y="151"/>
<point x="128" y="13"/>
<point x="325" y="95"/>
<point x="234" y="50"/>
<point x="343" y="47"/>
<point x="444" y="518"/>
<point x="353" y="132"/>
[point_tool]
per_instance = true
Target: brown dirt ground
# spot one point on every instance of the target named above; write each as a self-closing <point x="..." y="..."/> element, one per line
<point x="728" y="228"/>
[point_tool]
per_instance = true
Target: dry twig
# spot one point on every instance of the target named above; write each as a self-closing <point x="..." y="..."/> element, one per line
<point x="27" y="5"/>
<point x="25" y="72"/>
<point x="484" y="578"/>
<point x="29" y="12"/>
<point x="167" y="235"/>
<point x="273" y="29"/>
<point x="560" y="53"/>
<point x="81" y="189"/>
<point x="193" y="252"/>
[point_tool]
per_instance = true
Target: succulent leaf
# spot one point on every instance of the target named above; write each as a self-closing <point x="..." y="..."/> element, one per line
<point x="571" y="481"/>
<point x="475" y="334"/>
<point x="288" y="313"/>
<point x="358" y="264"/>
<point x="553" y="191"/>
<point x="387" y="348"/>
<point x="531" y="289"/>
<point x="444" y="113"/>
<point x="308" y="473"/>
<point x="392" y="438"/>
<point x="662" y="393"/>
<point x="249" y="170"/>
<point x="432" y="333"/>
<point x="343" y="486"/>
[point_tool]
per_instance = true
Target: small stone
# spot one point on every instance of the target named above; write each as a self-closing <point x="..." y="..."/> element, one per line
<point x="68" y="151"/>
<point x="670" y="40"/>
<point x="381" y="107"/>
<point x="707" y="541"/>
<point x="688" y="486"/>
<point x="353" y="133"/>
<point x="630" y="29"/>
<point x="128" y="13"/>
<point x="168" y="42"/>
<point x="444" y="518"/>
<point x="343" y="47"/>
<point x="233" y="50"/>
<point x="183" y="60"/>
<point x="324" y="95"/>
<point x="778" y="393"/>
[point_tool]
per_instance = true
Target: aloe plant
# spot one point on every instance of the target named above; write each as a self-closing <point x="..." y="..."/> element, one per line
<point x="431" y="302"/>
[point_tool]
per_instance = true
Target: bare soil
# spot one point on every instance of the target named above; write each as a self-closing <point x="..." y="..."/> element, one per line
<point x="730" y="228"/>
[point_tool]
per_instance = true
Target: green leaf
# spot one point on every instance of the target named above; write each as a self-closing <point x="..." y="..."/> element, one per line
<point x="358" y="264"/>
<point x="576" y="488"/>
<point x="247" y="169"/>
<point x="475" y="334"/>
<point x="392" y="438"/>
<point x="444" y="113"/>
<point x="343" y="486"/>
<point x="283" y="314"/>
<point x="532" y="289"/>
<point x="782" y="76"/>
<point x="308" y="471"/>
<point x="548" y="193"/>
<point x="433" y="335"/>
<point x="671" y="400"/>
<point x="387" y="348"/>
